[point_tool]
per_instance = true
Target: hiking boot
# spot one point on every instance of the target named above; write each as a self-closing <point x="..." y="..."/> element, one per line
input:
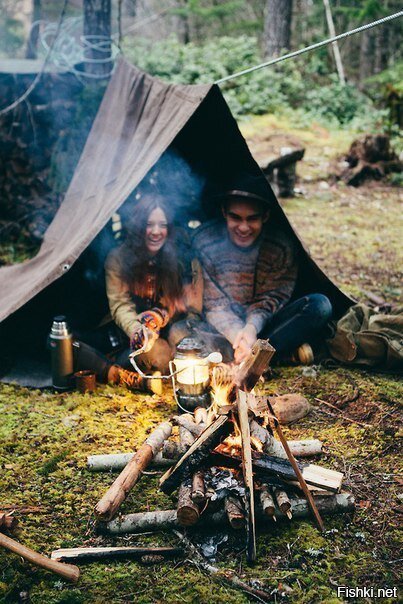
<point x="303" y="355"/>
<point x="134" y="381"/>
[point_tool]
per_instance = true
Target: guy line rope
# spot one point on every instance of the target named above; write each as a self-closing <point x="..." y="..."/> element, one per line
<point x="296" y="53"/>
<point x="289" y="55"/>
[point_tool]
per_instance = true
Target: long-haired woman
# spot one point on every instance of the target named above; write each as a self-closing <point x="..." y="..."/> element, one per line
<point x="153" y="270"/>
<point x="154" y="287"/>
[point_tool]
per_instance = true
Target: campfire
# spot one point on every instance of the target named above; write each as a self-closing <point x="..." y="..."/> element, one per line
<point x="227" y="466"/>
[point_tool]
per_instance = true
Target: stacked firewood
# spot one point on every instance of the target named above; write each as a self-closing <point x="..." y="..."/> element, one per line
<point x="228" y="458"/>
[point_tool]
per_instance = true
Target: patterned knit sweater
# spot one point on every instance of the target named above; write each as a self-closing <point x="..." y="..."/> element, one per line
<point x="244" y="285"/>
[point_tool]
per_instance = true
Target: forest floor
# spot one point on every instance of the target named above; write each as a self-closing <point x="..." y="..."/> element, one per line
<point x="46" y="437"/>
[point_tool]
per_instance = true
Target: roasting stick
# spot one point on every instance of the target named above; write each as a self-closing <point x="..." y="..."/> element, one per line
<point x="297" y="471"/>
<point x="67" y="571"/>
<point x="242" y="405"/>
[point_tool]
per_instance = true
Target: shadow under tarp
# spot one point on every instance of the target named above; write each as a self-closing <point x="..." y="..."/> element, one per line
<point x="184" y="133"/>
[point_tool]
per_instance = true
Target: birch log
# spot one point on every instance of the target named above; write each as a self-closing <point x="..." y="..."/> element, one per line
<point x="267" y="501"/>
<point x="341" y="503"/>
<point x="107" y="507"/>
<point x="171" y="452"/>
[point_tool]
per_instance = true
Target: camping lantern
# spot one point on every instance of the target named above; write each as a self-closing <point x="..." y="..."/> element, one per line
<point x="191" y="376"/>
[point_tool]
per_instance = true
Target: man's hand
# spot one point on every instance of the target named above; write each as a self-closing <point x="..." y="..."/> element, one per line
<point x="243" y="342"/>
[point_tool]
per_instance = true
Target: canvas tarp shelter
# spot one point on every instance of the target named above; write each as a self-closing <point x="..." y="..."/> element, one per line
<point x="140" y="117"/>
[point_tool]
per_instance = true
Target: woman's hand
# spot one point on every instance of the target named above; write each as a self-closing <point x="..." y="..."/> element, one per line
<point x="142" y="337"/>
<point x="243" y="342"/>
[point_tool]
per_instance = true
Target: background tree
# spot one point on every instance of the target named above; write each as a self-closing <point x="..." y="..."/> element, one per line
<point x="277" y="27"/>
<point x="97" y="30"/>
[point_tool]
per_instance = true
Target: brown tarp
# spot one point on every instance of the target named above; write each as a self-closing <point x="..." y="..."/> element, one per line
<point x="139" y="118"/>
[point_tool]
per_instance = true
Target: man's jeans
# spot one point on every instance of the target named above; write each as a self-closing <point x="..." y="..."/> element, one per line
<point x="299" y="322"/>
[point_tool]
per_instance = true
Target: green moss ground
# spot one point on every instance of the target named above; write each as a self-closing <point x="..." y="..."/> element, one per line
<point x="46" y="437"/>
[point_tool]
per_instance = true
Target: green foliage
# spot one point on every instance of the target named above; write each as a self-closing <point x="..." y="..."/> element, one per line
<point x="308" y="84"/>
<point x="11" y="36"/>
<point x="334" y="101"/>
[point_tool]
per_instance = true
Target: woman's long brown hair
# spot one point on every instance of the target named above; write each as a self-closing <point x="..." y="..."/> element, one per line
<point x="135" y="256"/>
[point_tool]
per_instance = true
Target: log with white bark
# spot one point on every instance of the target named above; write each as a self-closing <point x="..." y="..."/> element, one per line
<point x="107" y="507"/>
<point x="272" y="446"/>
<point x="115" y="462"/>
<point x="267" y="501"/>
<point x="283" y="502"/>
<point x="201" y="416"/>
<point x="186" y="421"/>
<point x="186" y="427"/>
<point x="86" y="554"/>
<point x="171" y="451"/>
<point x="161" y="520"/>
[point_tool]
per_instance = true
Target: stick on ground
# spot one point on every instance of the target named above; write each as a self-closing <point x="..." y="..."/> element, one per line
<point x="67" y="571"/>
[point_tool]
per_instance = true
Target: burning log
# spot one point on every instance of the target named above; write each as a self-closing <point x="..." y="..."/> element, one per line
<point x="271" y="446"/>
<point x="88" y="554"/>
<point x="282" y="470"/>
<point x="198" y="488"/>
<point x="255" y="365"/>
<point x="267" y="501"/>
<point x="235" y="513"/>
<point x="186" y="421"/>
<point x="117" y="493"/>
<point x="67" y="571"/>
<point x="7" y="521"/>
<point x="162" y="520"/>
<point x="283" y="502"/>
<point x="195" y="455"/>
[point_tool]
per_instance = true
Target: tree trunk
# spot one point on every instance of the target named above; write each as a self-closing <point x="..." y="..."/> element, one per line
<point x="97" y="31"/>
<point x="366" y="56"/>
<point x="32" y="46"/>
<point x="277" y="27"/>
<point x="381" y="42"/>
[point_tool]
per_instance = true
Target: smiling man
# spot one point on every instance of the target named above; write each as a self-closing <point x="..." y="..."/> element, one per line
<point x="250" y="271"/>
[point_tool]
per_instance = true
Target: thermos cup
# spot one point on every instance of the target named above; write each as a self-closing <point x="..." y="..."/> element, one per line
<point x="61" y="347"/>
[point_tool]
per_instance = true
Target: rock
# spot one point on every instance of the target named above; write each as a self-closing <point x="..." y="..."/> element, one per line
<point x="289" y="407"/>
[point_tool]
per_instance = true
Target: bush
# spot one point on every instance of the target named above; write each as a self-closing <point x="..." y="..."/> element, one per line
<point x="305" y="84"/>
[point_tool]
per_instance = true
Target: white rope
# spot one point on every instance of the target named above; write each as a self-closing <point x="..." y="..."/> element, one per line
<point x="297" y="53"/>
